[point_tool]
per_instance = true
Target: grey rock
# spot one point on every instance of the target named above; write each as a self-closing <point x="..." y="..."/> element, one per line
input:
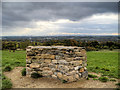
<point x="78" y="67"/>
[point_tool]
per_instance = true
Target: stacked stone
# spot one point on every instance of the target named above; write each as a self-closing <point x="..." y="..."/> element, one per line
<point x="62" y="62"/>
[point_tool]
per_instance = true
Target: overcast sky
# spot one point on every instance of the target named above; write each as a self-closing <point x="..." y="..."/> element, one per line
<point x="61" y="18"/>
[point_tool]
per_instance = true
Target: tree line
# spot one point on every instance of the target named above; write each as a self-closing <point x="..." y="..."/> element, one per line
<point x="89" y="45"/>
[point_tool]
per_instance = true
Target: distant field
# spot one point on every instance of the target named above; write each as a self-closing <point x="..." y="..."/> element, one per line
<point x="105" y="62"/>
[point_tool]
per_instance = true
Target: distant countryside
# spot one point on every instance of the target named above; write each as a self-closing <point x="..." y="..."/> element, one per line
<point x="102" y="54"/>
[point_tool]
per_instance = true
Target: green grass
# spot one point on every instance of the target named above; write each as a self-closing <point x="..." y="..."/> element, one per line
<point x="105" y="62"/>
<point x="6" y="83"/>
<point x="14" y="59"/>
<point x="103" y="79"/>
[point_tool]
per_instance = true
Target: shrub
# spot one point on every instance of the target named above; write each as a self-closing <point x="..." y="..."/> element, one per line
<point x="3" y="77"/>
<point x="64" y="81"/>
<point x="7" y="68"/>
<point x="103" y="79"/>
<point x="6" y="83"/>
<point x="87" y="78"/>
<point x="97" y="68"/>
<point x="118" y="84"/>
<point x="105" y="47"/>
<point x="35" y="75"/>
<point x="111" y="48"/>
<point x="92" y="76"/>
<point x="105" y="69"/>
<point x="113" y="80"/>
<point x="23" y="72"/>
<point x="90" y="49"/>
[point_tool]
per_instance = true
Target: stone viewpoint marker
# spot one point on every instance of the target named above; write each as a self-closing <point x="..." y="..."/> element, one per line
<point x="61" y="62"/>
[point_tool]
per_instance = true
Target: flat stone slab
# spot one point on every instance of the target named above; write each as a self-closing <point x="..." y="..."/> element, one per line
<point x="58" y="47"/>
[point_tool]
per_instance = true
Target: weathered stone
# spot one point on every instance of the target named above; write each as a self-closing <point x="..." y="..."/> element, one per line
<point x="28" y="70"/>
<point x="59" y="75"/>
<point x="47" y="73"/>
<point x="77" y="67"/>
<point x="51" y="65"/>
<point x="62" y="61"/>
<point x="54" y="76"/>
<point x="28" y="50"/>
<point x="54" y="61"/>
<point x="36" y="69"/>
<point x="44" y="65"/>
<point x="71" y="73"/>
<point x="69" y="59"/>
<point x="71" y="78"/>
<point x="82" y="70"/>
<point x="47" y="60"/>
<point x="40" y="72"/>
<point x="47" y="56"/>
<point x="31" y="53"/>
<point x="63" y="68"/>
<point x="57" y="57"/>
<point x="56" y="66"/>
<point x="33" y="72"/>
<point x="76" y="76"/>
<point x="46" y="68"/>
<point x="65" y="77"/>
<point x="28" y="61"/>
<point x="83" y="51"/>
<point x="53" y="69"/>
<point x="34" y="65"/>
<point x="27" y="65"/>
<point x="83" y="58"/>
<point x="85" y="74"/>
<point x="61" y="54"/>
<point x="28" y="57"/>
<point x="79" y="54"/>
<point x="76" y="63"/>
<point x="85" y="68"/>
<point x="80" y="75"/>
<point x="38" y="57"/>
<point x="34" y="60"/>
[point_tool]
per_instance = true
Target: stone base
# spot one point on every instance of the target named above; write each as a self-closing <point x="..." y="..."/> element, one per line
<point x="60" y="62"/>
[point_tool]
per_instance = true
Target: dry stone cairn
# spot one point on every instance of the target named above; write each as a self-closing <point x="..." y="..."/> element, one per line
<point x="60" y="62"/>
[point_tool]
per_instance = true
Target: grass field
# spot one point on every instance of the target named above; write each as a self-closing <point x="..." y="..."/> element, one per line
<point x="14" y="59"/>
<point x="105" y="62"/>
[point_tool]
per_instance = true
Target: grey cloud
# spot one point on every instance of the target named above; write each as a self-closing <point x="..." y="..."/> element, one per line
<point x="89" y="28"/>
<point x="21" y="13"/>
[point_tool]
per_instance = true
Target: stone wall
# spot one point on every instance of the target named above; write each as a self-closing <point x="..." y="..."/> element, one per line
<point x="61" y="62"/>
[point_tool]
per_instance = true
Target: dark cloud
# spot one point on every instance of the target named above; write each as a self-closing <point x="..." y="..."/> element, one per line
<point x="21" y="13"/>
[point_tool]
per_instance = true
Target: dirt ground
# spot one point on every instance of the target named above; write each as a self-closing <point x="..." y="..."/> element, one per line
<point x="20" y="81"/>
